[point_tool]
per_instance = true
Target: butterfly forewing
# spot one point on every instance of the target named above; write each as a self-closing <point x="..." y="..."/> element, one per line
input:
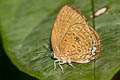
<point x="64" y="20"/>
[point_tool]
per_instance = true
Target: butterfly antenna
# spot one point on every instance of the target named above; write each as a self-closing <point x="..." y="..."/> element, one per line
<point x="48" y="52"/>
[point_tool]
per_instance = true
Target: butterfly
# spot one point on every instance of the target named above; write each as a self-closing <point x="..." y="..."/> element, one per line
<point x="72" y="39"/>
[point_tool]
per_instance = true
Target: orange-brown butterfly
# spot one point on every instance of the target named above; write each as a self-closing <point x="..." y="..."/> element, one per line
<point x="72" y="39"/>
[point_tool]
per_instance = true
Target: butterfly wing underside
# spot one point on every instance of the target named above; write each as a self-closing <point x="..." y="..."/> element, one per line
<point x="64" y="20"/>
<point x="72" y="39"/>
<point x="78" y="43"/>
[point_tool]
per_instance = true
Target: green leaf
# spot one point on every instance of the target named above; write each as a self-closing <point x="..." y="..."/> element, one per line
<point x="108" y="27"/>
<point x="26" y="28"/>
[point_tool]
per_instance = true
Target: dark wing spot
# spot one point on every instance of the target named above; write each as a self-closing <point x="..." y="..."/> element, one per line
<point x="73" y="34"/>
<point x="65" y="40"/>
<point x="77" y="38"/>
<point x="85" y="29"/>
<point x="90" y="36"/>
<point x="93" y="42"/>
<point x="67" y="51"/>
<point x="73" y="46"/>
<point x="79" y="50"/>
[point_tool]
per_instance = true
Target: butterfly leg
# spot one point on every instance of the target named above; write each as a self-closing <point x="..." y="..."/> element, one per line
<point x="61" y="66"/>
<point x="71" y="64"/>
<point x="55" y="63"/>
